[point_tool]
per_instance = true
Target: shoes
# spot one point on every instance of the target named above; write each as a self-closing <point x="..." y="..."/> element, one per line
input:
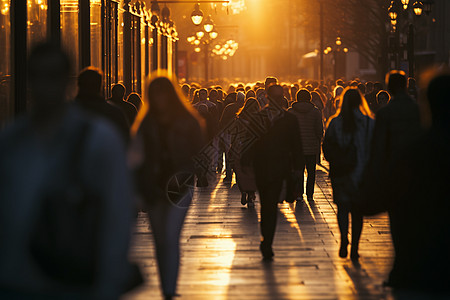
<point x="354" y="254"/>
<point x="343" y="252"/>
<point x="251" y="200"/>
<point x="310" y="199"/>
<point x="243" y="198"/>
<point x="266" y="251"/>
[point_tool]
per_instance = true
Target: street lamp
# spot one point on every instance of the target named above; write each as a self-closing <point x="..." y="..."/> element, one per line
<point x="418" y="7"/>
<point x="397" y="23"/>
<point x="197" y="15"/>
<point x="336" y="53"/>
<point x="393" y="11"/>
<point x="200" y="34"/>
<point x="213" y="34"/>
<point x="405" y="4"/>
<point x="208" y="25"/>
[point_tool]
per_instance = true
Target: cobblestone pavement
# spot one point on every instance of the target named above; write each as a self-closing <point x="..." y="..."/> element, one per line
<point x="221" y="258"/>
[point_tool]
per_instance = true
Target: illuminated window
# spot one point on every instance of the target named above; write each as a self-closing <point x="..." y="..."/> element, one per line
<point x="96" y="33"/>
<point x="37" y="22"/>
<point x="6" y="104"/>
<point x="69" y="34"/>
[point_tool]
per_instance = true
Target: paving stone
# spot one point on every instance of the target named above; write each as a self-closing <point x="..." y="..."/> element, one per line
<point x="221" y="259"/>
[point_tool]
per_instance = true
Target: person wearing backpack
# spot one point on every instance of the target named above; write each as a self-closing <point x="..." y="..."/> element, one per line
<point x="66" y="202"/>
<point x="346" y="146"/>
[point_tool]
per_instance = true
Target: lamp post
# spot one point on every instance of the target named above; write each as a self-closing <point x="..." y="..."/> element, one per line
<point x="399" y="11"/>
<point x="337" y="51"/>
<point x="321" y="40"/>
<point x="204" y="36"/>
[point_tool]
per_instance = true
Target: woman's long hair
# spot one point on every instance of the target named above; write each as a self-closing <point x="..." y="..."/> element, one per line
<point x="351" y="99"/>
<point x="250" y="107"/>
<point x="164" y="96"/>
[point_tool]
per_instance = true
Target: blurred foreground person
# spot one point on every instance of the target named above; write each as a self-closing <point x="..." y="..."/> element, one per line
<point x="277" y="154"/>
<point x="168" y="137"/>
<point x="397" y="125"/>
<point x="419" y="204"/>
<point x="346" y="146"/>
<point x="65" y="196"/>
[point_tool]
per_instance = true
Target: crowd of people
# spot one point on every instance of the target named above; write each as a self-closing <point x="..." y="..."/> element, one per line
<point x="71" y="171"/>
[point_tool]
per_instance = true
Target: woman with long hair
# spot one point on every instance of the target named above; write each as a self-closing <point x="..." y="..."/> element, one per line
<point x="168" y="134"/>
<point x="346" y="146"/>
<point x="241" y="140"/>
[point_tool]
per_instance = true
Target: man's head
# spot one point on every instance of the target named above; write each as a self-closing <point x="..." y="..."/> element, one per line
<point x="48" y="74"/>
<point x="383" y="97"/>
<point x="185" y="89"/>
<point x="377" y="86"/>
<point x="213" y="95"/>
<point x="118" y="91"/>
<point x="240" y="98"/>
<point x="269" y="82"/>
<point x="396" y="82"/>
<point x="90" y="81"/>
<point x="203" y="94"/>
<point x="369" y="86"/>
<point x="362" y="88"/>
<point x="303" y="95"/>
<point x="275" y="95"/>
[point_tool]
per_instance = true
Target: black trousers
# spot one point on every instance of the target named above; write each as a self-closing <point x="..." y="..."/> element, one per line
<point x="310" y="164"/>
<point x="269" y="194"/>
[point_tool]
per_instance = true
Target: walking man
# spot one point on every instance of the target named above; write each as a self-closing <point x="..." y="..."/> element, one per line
<point x="276" y="155"/>
<point x="309" y="119"/>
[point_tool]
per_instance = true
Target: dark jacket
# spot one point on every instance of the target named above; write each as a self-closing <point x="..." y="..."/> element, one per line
<point x="98" y="106"/>
<point x="276" y="153"/>
<point x="168" y="150"/>
<point x="127" y="108"/>
<point x="309" y="119"/>
<point x="419" y="205"/>
<point x="396" y="125"/>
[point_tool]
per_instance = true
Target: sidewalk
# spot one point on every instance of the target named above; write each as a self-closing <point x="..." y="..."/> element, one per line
<point x="221" y="258"/>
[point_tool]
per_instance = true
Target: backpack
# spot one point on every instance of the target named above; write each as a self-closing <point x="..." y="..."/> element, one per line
<point x="342" y="158"/>
<point x="64" y="239"/>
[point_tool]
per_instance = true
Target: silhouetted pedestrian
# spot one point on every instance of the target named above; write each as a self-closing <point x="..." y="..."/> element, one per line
<point x="383" y="99"/>
<point x="419" y="204"/>
<point x="66" y="202"/>
<point x="276" y="156"/>
<point x="397" y="124"/>
<point x="346" y="146"/>
<point x="89" y="97"/>
<point x="117" y="99"/>
<point x="310" y="123"/>
<point x="242" y="138"/>
<point x="228" y="115"/>
<point x="167" y="140"/>
<point x="135" y="99"/>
